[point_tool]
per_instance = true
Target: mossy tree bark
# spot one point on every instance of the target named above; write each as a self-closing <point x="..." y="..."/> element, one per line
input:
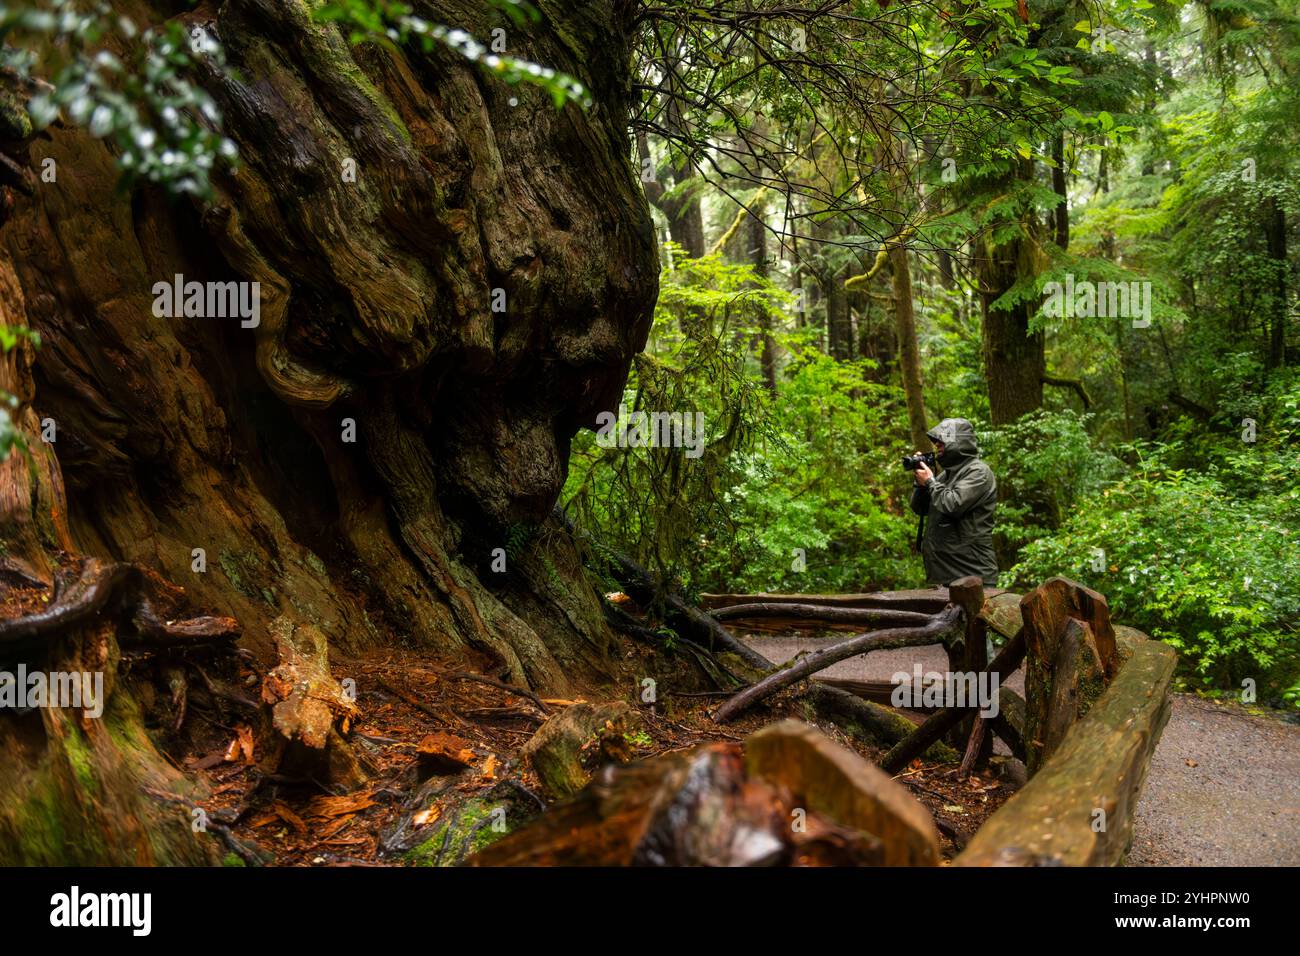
<point x="377" y="322"/>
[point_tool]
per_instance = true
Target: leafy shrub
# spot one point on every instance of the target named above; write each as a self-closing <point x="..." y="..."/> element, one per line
<point x="1184" y="558"/>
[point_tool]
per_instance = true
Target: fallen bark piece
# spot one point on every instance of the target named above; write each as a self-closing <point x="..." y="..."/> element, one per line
<point x="444" y="753"/>
<point x="688" y="808"/>
<point x="555" y="751"/>
<point x="305" y="698"/>
<point x="1078" y="809"/>
<point x="837" y="783"/>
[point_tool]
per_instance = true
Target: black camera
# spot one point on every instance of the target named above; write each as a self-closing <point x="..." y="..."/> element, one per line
<point x="914" y="462"/>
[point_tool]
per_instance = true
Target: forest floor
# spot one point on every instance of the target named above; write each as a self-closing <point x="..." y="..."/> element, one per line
<point x="441" y="744"/>
<point x="1223" y="787"/>
<point x="404" y="698"/>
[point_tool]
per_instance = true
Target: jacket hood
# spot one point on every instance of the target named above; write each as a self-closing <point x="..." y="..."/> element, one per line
<point x="958" y="437"/>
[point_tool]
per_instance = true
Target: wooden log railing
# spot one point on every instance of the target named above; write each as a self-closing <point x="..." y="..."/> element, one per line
<point x="932" y="632"/>
<point x="959" y="626"/>
<point x="1077" y="810"/>
<point x="922" y="600"/>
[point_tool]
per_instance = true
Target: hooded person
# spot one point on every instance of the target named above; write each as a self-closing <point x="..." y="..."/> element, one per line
<point x="957" y="505"/>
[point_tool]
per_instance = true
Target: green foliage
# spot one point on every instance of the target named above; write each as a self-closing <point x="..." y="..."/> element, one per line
<point x="655" y="503"/>
<point x="822" y="510"/>
<point x="163" y="128"/>
<point x="795" y="493"/>
<point x="395" y="23"/>
<point x="1204" y="559"/>
<point x="1046" y="465"/>
<point x="10" y="436"/>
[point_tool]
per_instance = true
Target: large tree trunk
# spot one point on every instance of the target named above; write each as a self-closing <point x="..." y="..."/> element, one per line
<point x="377" y="321"/>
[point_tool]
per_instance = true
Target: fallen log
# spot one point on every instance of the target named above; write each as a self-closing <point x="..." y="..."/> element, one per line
<point x="942" y="721"/>
<point x="870" y="723"/>
<point x="686" y="808"/>
<point x="922" y="600"/>
<point x="876" y="691"/>
<point x="940" y="626"/>
<point x="827" y="778"/>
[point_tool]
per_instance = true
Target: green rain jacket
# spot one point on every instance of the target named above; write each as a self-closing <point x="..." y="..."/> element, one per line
<point x="958" y="504"/>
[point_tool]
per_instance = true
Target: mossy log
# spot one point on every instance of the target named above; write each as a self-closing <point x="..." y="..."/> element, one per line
<point x="688" y="808"/>
<point x="865" y="720"/>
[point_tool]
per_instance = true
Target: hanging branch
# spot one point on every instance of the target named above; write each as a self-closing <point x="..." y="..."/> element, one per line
<point x="690" y="623"/>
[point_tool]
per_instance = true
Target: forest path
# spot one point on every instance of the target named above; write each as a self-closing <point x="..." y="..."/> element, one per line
<point x="1223" y="788"/>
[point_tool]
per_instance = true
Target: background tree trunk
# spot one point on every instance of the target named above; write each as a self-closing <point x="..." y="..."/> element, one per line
<point x="909" y="353"/>
<point x="1014" y="358"/>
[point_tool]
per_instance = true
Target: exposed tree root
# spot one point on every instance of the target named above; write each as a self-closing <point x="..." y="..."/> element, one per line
<point x="117" y="587"/>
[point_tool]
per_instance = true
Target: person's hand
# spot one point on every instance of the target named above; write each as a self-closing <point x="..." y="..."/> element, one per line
<point x="923" y="474"/>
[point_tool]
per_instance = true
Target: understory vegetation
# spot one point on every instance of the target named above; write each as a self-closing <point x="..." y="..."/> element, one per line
<point x="1156" y="462"/>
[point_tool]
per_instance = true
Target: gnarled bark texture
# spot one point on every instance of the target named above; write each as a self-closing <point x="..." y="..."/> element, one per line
<point x="377" y="305"/>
